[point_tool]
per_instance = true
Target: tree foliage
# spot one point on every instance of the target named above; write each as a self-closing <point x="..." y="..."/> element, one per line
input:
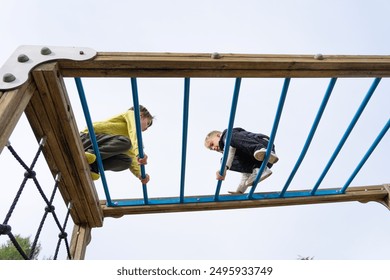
<point x="9" y="252"/>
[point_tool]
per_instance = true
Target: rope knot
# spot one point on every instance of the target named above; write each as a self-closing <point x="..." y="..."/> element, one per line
<point x="49" y="208"/>
<point x="29" y="174"/>
<point x="5" y="229"/>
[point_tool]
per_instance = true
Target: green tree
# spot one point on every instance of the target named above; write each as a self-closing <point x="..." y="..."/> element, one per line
<point x="9" y="252"/>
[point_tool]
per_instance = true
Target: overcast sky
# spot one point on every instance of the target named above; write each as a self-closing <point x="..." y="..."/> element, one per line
<point x="333" y="231"/>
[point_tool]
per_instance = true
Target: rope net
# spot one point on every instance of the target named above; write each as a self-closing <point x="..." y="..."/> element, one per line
<point x="30" y="175"/>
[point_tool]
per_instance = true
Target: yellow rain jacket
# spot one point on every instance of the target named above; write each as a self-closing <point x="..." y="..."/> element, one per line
<point x="123" y="124"/>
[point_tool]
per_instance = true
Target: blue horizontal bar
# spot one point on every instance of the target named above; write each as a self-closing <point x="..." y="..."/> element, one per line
<point x="222" y="198"/>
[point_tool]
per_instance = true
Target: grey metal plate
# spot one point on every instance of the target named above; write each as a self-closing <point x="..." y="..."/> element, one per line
<point x="16" y="69"/>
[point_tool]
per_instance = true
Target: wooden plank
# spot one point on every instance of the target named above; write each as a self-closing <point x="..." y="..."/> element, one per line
<point x="229" y="65"/>
<point x="50" y="115"/>
<point x="12" y="105"/>
<point x="377" y="193"/>
<point x="81" y="237"/>
<point x="386" y="201"/>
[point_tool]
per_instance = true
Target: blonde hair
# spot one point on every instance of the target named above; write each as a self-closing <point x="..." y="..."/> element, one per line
<point x="211" y="134"/>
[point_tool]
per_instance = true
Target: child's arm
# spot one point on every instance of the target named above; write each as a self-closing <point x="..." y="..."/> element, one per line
<point x="232" y="152"/>
<point x="229" y="161"/>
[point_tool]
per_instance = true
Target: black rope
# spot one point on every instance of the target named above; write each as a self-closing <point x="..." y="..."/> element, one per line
<point x="17" y="246"/>
<point x="63" y="236"/>
<point x="5" y="229"/>
<point x="28" y="174"/>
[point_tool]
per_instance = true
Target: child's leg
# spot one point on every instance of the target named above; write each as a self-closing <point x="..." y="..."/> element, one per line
<point x="266" y="173"/>
<point x="117" y="163"/>
<point x="247" y="180"/>
<point x="111" y="149"/>
<point x="242" y="186"/>
<point x="260" y="154"/>
<point x="109" y="145"/>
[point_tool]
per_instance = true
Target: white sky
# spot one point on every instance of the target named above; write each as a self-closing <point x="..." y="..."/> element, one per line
<point x="334" y="231"/>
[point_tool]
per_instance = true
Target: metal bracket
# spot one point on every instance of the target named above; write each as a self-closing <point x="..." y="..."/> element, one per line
<point x="16" y="69"/>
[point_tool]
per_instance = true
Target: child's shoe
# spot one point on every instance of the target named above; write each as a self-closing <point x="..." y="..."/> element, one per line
<point x="260" y="154"/>
<point x="266" y="173"/>
<point x="242" y="186"/>
<point x="249" y="179"/>
<point x="94" y="172"/>
<point x="240" y="189"/>
<point x="95" y="176"/>
<point x="90" y="157"/>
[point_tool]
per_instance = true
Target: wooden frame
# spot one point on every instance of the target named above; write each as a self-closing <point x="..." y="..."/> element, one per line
<point x="377" y="193"/>
<point x="45" y="101"/>
<point x="227" y="65"/>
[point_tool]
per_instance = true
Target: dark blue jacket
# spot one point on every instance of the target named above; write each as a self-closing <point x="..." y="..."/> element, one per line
<point x="246" y="143"/>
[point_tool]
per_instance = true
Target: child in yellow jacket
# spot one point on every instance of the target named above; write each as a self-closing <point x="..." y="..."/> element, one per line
<point x="118" y="144"/>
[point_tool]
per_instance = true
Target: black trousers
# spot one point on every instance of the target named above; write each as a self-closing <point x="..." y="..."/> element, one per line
<point x="112" y="150"/>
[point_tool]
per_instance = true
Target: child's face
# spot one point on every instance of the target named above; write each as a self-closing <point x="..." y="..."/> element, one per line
<point x="213" y="143"/>
<point x="145" y="123"/>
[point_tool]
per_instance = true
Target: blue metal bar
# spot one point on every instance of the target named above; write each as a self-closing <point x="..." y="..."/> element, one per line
<point x="366" y="156"/>
<point x="228" y="134"/>
<point x="311" y="134"/>
<point x="92" y="135"/>
<point x="185" y="133"/>
<point x="224" y="198"/>
<point x="272" y="136"/>
<point x="347" y="132"/>
<point x="139" y="134"/>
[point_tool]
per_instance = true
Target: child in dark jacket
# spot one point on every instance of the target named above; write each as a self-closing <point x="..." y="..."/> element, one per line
<point x="246" y="154"/>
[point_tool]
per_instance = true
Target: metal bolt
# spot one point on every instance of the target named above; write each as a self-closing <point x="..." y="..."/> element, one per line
<point x="319" y="56"/>
<point x="23" y="58"/>
<point x="58" y="177"/>
<point x="45" y="51"/>
<point x="8" y="78"/>
<point x="215" y="55"/>
<point x="81" y="52"/>
<point x="43" y="141"/>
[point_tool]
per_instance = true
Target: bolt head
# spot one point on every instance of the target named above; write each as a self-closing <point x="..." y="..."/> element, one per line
<point x="8" y="78"/>
<point x="215" y="55"/>
<point x="45" y="51"/>
<point x="23" y="58"/>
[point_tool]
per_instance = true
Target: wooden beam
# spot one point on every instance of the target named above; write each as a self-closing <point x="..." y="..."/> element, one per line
<point x="12" y="105"/>
<point x="386" y="201"/>
<point x="81" y="237"/>
<point x="50" y="115"/>
<point x="228" y="65"/>
<point x="377" y="193"/>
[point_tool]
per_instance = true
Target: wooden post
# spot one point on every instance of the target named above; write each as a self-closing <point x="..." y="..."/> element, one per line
<point x="12" y="105"/>
<point x="81" y="237"/>
<point x="50" y="114"/>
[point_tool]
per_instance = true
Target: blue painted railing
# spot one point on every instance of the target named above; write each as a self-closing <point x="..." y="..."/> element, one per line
<point x="251" y="195"/>
<point x="92" y="135"/>
<point x="137" y="116"/>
